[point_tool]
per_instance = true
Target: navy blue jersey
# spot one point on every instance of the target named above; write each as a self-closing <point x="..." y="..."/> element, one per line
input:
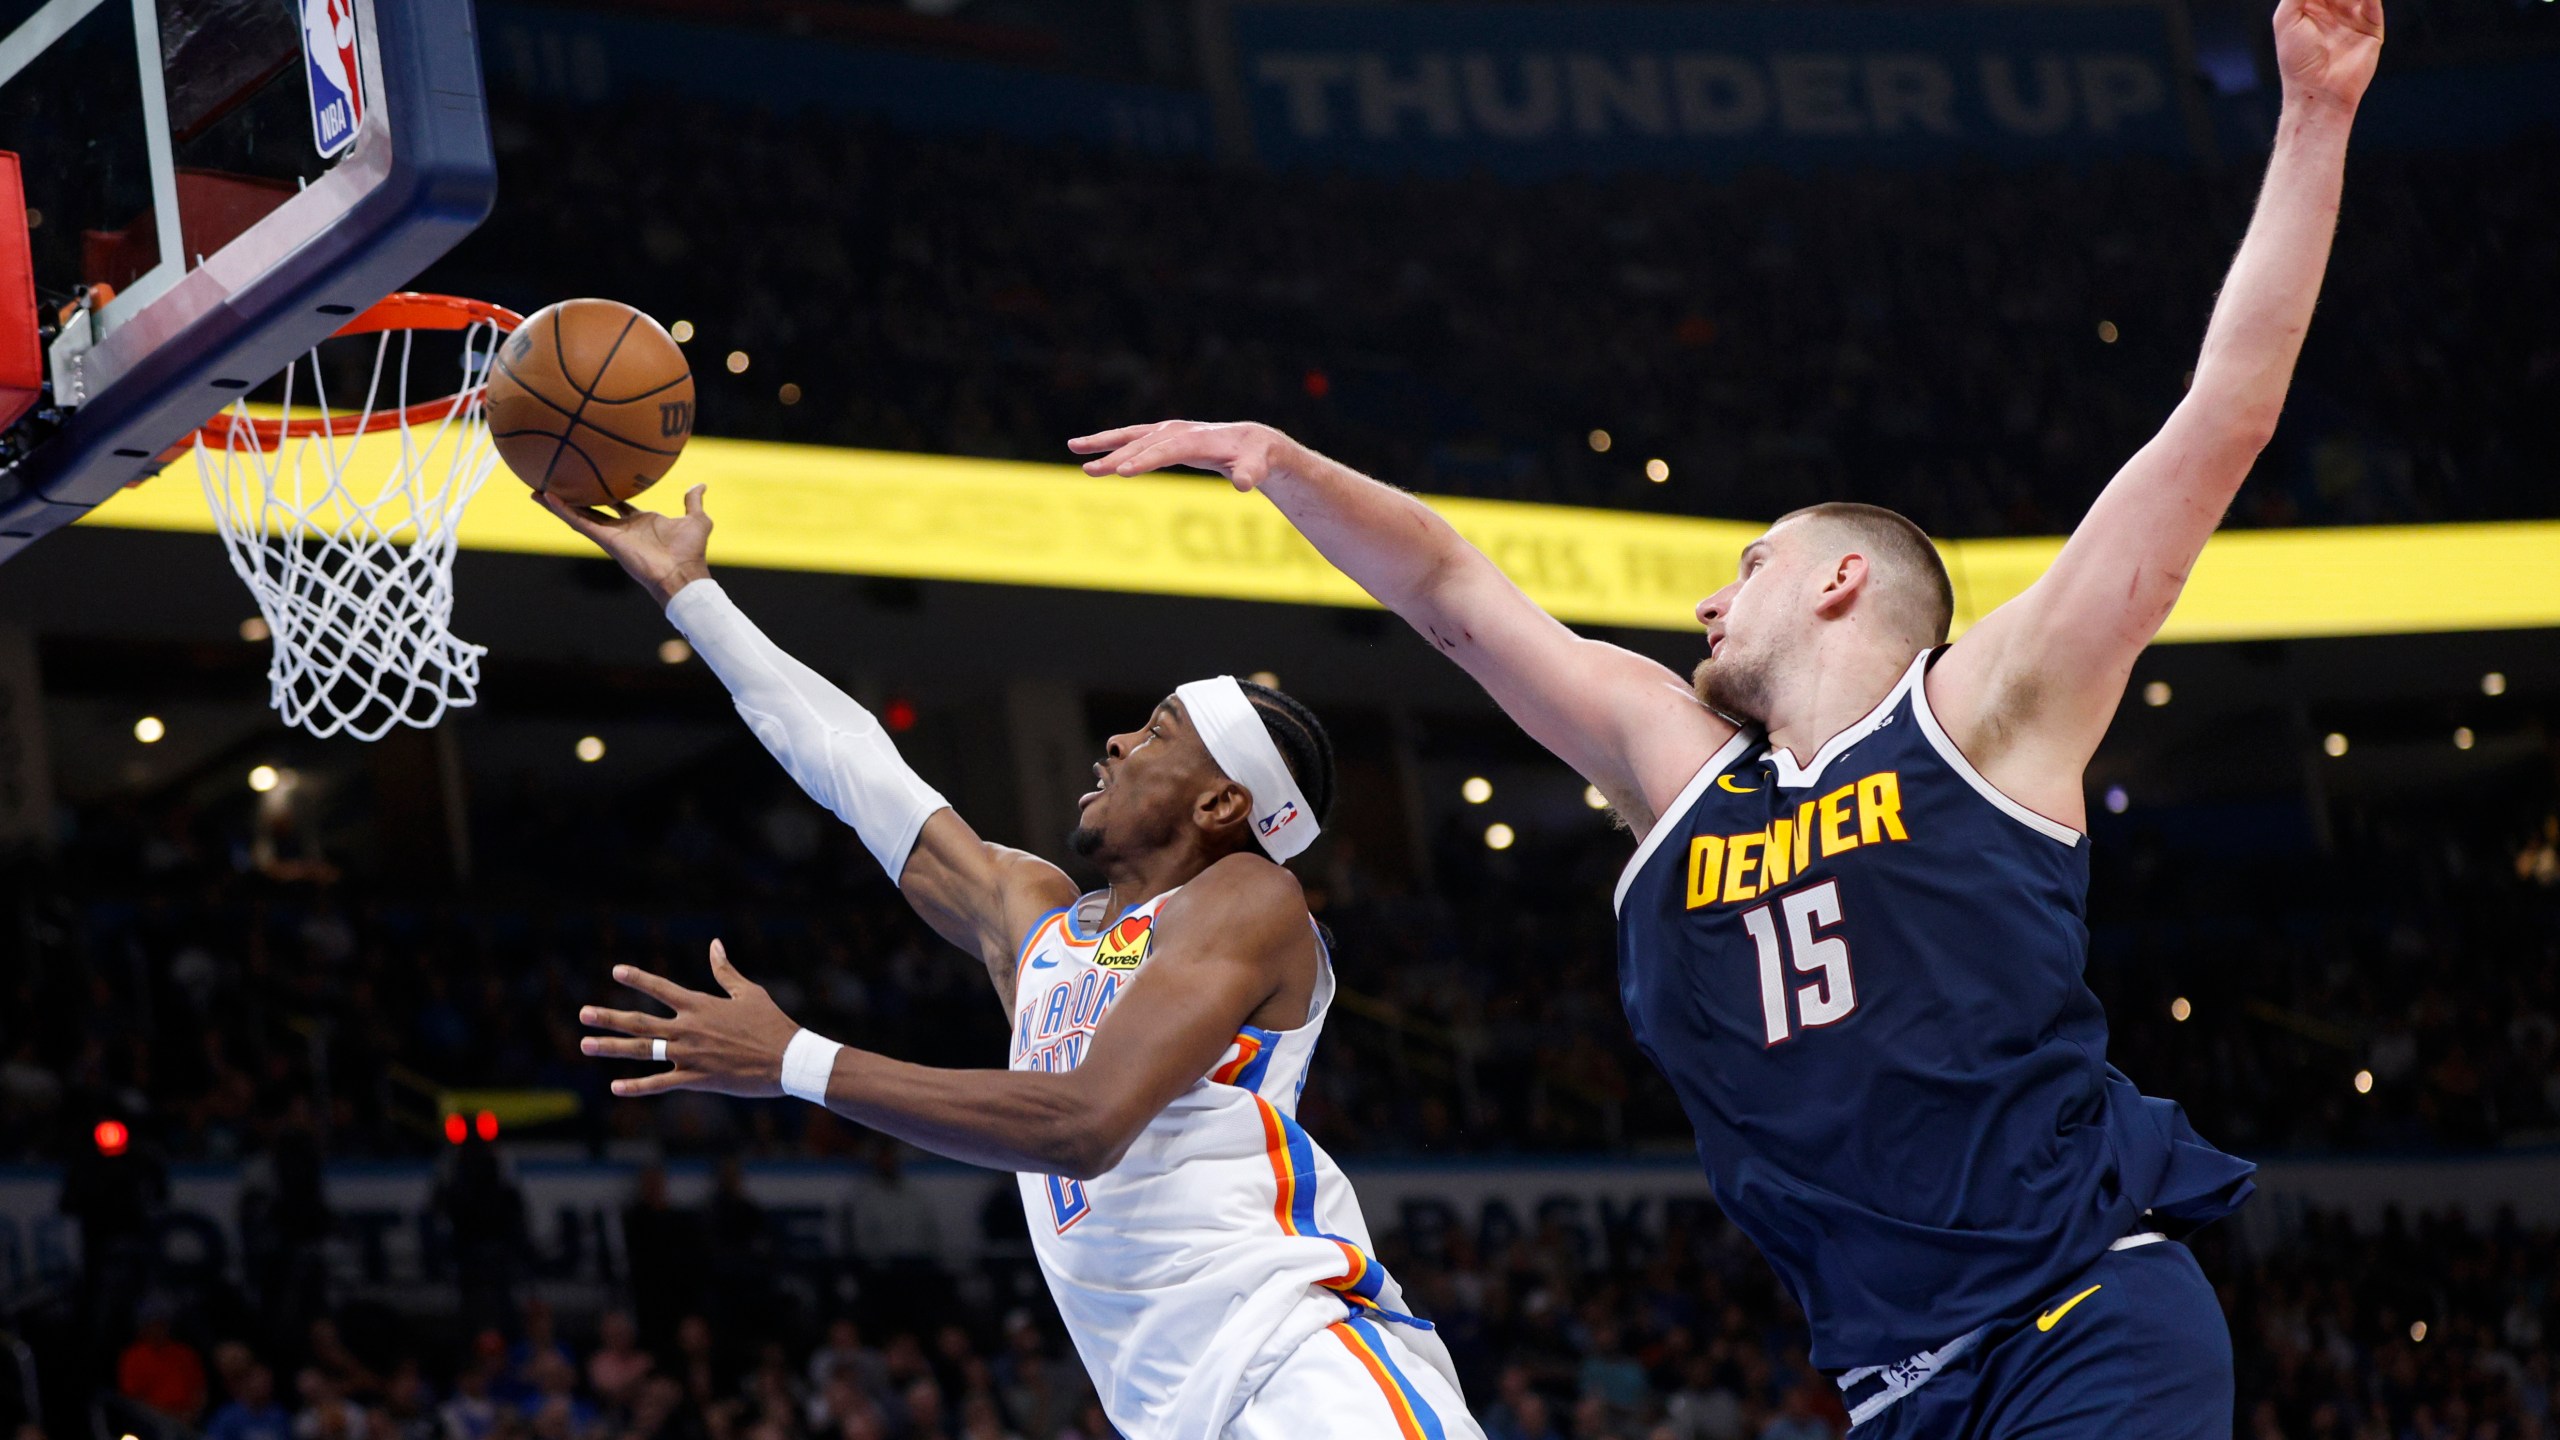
<point x="1863" y="979"/>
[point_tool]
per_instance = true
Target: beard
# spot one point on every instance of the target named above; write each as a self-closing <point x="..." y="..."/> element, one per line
<point x="1085" y="841"/>
<point x="1736" y="686"/>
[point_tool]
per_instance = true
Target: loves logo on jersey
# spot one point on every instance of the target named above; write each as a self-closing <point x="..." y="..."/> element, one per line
<point x="1125" y="948"/>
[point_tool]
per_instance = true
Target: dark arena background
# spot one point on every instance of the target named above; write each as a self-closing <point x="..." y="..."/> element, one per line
<point x="296" y="1141"/>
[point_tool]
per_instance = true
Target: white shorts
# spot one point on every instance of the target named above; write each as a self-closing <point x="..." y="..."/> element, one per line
<point x="1357" y="1379"/>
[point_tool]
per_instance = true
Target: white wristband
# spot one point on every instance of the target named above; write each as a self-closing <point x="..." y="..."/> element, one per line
<point x="808" y="1062"/>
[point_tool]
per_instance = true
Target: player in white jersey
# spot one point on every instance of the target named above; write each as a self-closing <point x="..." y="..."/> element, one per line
<point x="1209" y="1260"/>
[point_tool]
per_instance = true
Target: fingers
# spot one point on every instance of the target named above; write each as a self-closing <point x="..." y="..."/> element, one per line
<point x="614" y="1047"/>
<point x="574" y="518"/>
<point x="1180" y="448"/>
<point x="661" y="1083"/>
<point x="629" y="1022"/>
<point x="1114" y="439"/>
<point x="693" y="504"/>
<point x="727" y="974"/>
<point x="657" y="987"/>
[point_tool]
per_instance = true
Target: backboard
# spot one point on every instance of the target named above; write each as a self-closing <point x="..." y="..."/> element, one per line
<point x="211" y="188"/>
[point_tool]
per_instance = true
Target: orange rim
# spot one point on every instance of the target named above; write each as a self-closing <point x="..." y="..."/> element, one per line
<point x="402" y="310"/>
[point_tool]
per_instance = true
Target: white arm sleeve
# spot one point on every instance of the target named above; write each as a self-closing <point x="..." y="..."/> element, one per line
<point x="823" y="736"/>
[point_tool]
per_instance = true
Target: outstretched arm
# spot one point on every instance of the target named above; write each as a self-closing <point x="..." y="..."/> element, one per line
<point x="1227" y="945"/>
<point x="1628" y="725"/>
<point x="979" y="896"/>
<point x="2029" y="691"/>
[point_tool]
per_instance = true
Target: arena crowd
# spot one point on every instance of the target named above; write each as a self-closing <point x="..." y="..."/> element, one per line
<point x="2424" y="1329"/>
<point x="1980" y="348"/>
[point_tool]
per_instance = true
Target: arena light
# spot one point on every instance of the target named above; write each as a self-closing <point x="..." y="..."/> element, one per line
<point x="484" y="1124"/>
<point x="1476" y="790"/>
<point x="2418" y="1332"/>
<point x="2494" y="683"/>
<point x="2364" y="1082"/>
<point x="1498" y="836"/>
<point x="1268" y="680"/>
<point x="2107" y="332"/>
<point x="2463" y="739"/>
<point x="2180" y="1010"/>
<point x="899" y="715"/>
<point x="2119" y="800"/>
<point x="111" y="1137"/>
<point x="737" y="362"/>
<point x="264" y="778"/>
<point x="674" y="651"/>
<point x="1599" y="441"/>
<point x="590" y="749"/>
<point x="681" y="331"/>
<point x="789" y="394"/>
<point x="2156" y="694"/>
<point x="1592" y="797"/>
<point x="456" y="1129"/>
<point x="1317" y="384"/>
<point x="1657" y="470"/>
<point x="2334" y="744"/>
<point x="148" y="729"/>
<point x="254" y="629"/>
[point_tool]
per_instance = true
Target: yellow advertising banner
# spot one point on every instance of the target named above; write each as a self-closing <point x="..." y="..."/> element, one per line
<point x="930" y="517"/>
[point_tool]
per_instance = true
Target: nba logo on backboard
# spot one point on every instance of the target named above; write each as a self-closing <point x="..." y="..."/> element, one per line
<point x="329" y="58"/>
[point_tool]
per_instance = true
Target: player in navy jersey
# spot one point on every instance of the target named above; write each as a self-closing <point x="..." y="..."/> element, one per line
<point x="1852" y="933"/>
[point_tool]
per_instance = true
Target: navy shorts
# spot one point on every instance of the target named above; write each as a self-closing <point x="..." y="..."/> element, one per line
<point x="2133" y="1345"/>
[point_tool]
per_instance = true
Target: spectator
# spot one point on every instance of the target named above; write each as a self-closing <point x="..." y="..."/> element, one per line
<point x="537" y="1343"/>
<point x="408" y="1406"/>
<point x="552" y="1407"/>
<point x="662" y="1245"/>
<point x="473" y="1411"/>
<point x="483" y="1212"/>
<point x="252" y="1412"/>
<point x="1041" y="1391"/>
<point x="160" y="1370"/>
<point x="617" y="1367"/>
<point x="844" y="1354"/>
<point x="326" y="1413"/>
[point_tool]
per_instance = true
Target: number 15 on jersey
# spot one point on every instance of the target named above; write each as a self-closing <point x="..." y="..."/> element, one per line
<point x="1795" y="927"/>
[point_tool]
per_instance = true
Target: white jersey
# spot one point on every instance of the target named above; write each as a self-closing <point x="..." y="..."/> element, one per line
<point x="1225" y="1238"/>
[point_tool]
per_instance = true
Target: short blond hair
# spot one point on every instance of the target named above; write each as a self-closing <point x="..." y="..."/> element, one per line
<point x="1897" y="547"/>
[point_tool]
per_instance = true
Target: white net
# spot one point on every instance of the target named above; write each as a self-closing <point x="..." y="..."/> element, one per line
<point x="344" y="526"/>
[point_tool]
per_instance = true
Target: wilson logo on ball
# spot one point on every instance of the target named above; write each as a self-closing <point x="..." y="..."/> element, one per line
<point x="675" y="417"/>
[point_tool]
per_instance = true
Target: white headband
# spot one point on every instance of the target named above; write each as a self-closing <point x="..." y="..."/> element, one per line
<point x="1228" y="724"/>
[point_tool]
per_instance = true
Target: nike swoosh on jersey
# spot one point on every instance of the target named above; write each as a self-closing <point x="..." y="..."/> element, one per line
<point x="1044" y="962"/>
<point x="2053" y="1317"/>
<point x="1725" y="783"/>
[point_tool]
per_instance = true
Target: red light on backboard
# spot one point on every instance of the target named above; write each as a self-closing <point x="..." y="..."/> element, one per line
<point x="111" y="1137"/>
<point x="21" y="349"/>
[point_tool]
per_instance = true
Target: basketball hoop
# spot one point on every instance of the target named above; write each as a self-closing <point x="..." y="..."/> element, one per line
<point x="343" y="522"/>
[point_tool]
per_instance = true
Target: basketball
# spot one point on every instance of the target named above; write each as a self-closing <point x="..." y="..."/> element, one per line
<point x="591" y="401"/>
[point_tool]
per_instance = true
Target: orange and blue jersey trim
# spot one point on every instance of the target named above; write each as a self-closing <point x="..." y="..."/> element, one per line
<point x="1415" y="1419"/>
<point x="1252" y="1061"/>
<point x="1293" y="1169"/>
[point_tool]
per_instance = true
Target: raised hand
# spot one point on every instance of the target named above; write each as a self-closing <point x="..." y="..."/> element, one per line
<point x="2326" y="49"/>
<point x="1245" y="453"/>
<point x="664" y="553"/>
<point x="729" y="1044"/>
